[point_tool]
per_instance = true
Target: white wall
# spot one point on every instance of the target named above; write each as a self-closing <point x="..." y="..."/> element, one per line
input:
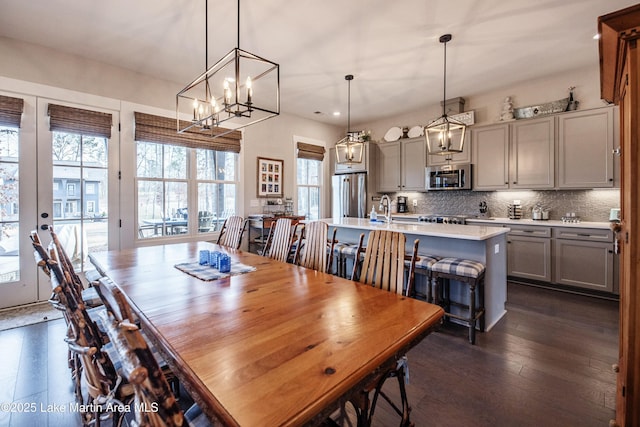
<point x="75" y="79"/>
<point x="273" y="138"/>
<point x="488" y="105"/>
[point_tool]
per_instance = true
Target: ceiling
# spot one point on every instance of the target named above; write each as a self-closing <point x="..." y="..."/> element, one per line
<point x="391" y="47"/>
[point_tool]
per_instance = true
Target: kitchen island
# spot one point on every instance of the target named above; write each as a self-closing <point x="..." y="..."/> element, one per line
<point x="485" y="244"/>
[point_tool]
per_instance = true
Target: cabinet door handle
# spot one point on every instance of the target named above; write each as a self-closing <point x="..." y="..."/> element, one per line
<point x="584" y="235"/>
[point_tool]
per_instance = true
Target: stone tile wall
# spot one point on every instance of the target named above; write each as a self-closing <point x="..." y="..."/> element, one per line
<point x="589" y="205"/>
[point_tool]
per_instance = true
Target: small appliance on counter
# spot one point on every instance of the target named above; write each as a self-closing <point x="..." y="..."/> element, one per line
<point x="402" y="204"/>
<point x="540" y="213"/>
<point x="515" y="210"/>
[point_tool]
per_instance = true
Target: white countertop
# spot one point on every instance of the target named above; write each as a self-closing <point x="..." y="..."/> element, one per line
<point x="452" y="231"/>
<point x="548" y="223"/>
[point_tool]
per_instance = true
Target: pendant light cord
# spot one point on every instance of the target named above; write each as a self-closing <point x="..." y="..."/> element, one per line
<point x="349" y="108"/>
<point x="238" y="46"/>
<point x="444" y="89"/>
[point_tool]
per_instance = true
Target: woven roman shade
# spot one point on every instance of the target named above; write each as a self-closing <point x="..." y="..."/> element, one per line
<point x="310" y="151"/>
<point x="11" y="111"/>
<point x="150" y="128"/>
<point x="78" y="120"/>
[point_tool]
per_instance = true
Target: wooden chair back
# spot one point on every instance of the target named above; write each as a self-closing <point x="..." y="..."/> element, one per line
<point x="114" y="300"/>
<point x="141" y="370"/>
<point x="232" y="232"/>
<point x="65" y="262"/>
<point x="84" y="337"/>
<point x="383" y="263"/>
<point x="315" y="249"/>
<point x="278" y="245"/>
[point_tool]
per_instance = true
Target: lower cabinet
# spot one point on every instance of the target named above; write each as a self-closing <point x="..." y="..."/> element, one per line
<point x="529" y="253"/>
<point x="584" y="258"/>
<point x="571" y="256"/>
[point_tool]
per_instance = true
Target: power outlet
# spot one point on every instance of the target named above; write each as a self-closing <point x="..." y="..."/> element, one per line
<point x="415" y="203"/>
<point x="496" y="248"/>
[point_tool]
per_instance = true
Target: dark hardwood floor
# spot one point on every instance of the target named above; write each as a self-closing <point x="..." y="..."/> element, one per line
<point x="547" y="363"/>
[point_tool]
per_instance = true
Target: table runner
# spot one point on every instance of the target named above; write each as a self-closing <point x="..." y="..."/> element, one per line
<point x="207" y="273"/>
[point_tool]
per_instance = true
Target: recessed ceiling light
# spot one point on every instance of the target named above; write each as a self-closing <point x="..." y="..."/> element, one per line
<point x="336" y="113"/>
<point x="596" y="36"/>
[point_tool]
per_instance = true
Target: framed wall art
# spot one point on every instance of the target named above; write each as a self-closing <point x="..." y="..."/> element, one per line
<point x="270" y="179"/>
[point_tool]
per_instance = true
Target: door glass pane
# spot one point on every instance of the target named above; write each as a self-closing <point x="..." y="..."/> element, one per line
<point x="9" y="205"/>
<point x="80" y="194"/>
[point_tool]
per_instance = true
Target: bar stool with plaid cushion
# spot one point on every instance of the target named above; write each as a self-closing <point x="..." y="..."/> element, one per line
<point x="464" y="271"/>
<point x="423" y="267"/>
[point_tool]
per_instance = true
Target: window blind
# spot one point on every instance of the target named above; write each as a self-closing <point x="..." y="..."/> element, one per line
<point x="150" y="128"/>
<point x="78" y="120"/>
<point x="11" y="111"/>
<point x="310" y="151"/>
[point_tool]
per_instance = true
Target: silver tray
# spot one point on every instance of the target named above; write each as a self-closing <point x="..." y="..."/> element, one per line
<point x="541" y="109"/>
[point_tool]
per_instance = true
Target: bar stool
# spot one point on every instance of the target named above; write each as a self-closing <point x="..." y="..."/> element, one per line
<point x="423" y="266"/>
<point x="345" y="251"/>
<point x="464" y="271"/>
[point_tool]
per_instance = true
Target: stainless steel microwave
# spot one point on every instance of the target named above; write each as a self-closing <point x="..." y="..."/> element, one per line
<point x="449" y="177"/>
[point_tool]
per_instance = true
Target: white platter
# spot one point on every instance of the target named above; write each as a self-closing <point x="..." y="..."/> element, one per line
<point x="393" y="134"/>
<point x="415" y="132"/>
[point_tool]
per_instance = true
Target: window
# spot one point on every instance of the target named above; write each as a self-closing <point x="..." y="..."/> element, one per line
<point x="309" y="178"/>
<point x="71" y="189"/>
<point x="91" y="207"/>
<point x="172" y="181"/>
<point x="90" y="188"/>
<point x="309" y="181"/>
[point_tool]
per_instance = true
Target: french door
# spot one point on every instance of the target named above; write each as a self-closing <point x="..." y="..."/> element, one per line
<point x="67" y="181"/>
<point x="18" y="279"/>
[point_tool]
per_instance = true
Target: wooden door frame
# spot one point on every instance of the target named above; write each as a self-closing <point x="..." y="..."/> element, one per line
<point x="620" y="84"/>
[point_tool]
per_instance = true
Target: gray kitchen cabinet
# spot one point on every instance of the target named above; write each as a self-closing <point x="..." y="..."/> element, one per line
<point x="532" y="148"/>
<point x="354" y="167"/>
<point x="584" y="258"/>
<point x="516" y="155"/>
<point x="401" y="165"/>
<point x="456" y="158"/>
<point x="585" y="149"/>
<point x="389" y="167"/>
<point x="491" y="157"/>
<point x="529" y="253"/>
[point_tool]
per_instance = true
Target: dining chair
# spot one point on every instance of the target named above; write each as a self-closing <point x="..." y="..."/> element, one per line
<point x="86" y="343"/>
<point x="89" y="295"/>
<point x="383" y="266"/>
<point x="232" y="232"/>
<point x="280" y="238"/>
<point x="116" y="303"/>
<point x="156" y="405"/>
<point x="314" y="249"/>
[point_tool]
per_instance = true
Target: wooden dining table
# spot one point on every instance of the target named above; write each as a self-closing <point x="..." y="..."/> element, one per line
<point x="278" y="346"/>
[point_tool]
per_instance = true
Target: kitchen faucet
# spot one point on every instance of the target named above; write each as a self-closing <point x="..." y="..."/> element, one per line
<point x="385" y="208"/>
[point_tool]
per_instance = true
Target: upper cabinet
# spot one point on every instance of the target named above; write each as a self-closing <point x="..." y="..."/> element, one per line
<point x="491" y="157"/>
<point x="457" y="158"/>
<point x="401" y="165"/>
<point x="532" y="154"/>
<point x="568" y="150"/>
<point x="585" y="149"/>
<point x="355" y="167"/>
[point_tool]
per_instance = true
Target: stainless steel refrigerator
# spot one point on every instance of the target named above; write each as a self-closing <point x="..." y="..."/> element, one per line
<point x="349" y="195"/>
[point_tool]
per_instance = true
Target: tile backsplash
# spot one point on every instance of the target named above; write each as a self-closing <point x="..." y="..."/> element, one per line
<point x="589" y="205"/>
